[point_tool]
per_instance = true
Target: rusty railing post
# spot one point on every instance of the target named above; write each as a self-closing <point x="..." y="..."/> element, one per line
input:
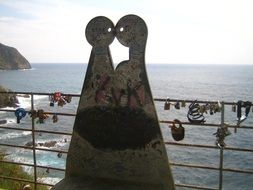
<point x="221" y="148"/>
<point x="33" y="141"/>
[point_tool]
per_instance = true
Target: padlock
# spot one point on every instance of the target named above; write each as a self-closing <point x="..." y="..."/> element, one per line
<point x="57" y="96"/>
<point x="67" y="98"/>
<point x="183" y="104"/>
<point x="236" y="126"/>
<point x="51" y="99"/>
<point x="234" y="107"/>
<point x="194" y="115"/>
<point x="202" y="109"/>
<point x="40" y="114"/>
<point x="55" y="118"/>
<point x="217" y="107"/>
<point x="167" y="104"/>
<point x="45" y="116"/>
<point x="226" y="130"/>
<point x="206" y="107"/>
<point x="61" y="102"/>
<point x="33" y="114"/>
<point x="20" y="113"/>
<point x="59" y="155"/>
<point x="241" y="104"/>
<point x="212" y="109"/>
<point x="177" y="132"/>
<point x="177" y="105"/>
<point x="221" y="133"/>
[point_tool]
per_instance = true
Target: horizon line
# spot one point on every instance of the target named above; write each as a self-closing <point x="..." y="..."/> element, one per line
<point x="150" y="63"/>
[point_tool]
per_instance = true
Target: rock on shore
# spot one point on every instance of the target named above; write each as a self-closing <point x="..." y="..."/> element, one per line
<point x="7" y="99"/>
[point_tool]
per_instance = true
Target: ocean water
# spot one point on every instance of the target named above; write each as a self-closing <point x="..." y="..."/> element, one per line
<point x="176" y="81"/>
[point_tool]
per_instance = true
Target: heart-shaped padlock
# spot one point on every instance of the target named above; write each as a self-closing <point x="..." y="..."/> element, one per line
<point x="177" y="130"/>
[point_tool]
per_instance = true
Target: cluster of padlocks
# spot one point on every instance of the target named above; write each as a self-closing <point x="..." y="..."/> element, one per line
<point x="195" y="115"/>
<point x="59" y="98"/>
<point x="40" y="115"/>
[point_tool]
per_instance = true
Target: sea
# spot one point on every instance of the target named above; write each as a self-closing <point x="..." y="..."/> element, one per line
<point x="169" y="81"/>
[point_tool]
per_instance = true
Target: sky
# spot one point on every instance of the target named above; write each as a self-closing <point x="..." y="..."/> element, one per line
<point x="179" y="31"/>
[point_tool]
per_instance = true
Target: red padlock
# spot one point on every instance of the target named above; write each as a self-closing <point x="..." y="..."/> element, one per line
<point x="57" y="96"/>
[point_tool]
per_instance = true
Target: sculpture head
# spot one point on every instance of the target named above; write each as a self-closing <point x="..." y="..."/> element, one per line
<point x="100" y="31"/>
<point x="131" y="30"/>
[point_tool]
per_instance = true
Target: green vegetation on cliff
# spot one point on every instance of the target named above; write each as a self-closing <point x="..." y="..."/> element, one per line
<point x="13" y="170"/>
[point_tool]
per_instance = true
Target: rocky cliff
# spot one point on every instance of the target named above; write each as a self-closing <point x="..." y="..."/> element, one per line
<point x="11" y="59"/>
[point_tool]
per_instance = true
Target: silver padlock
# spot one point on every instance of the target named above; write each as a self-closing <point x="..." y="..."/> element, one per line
<point x="167" y="104"/>
<point x="183" y="104"/>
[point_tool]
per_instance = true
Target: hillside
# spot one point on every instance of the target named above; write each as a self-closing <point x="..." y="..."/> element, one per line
<point x="11" y="59"/>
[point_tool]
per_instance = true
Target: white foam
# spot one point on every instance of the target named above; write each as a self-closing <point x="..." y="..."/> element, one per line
<point x="24" y="102"/>
<point x="59" y="143"/>
<point x="39" y="97"/>
<point x="10" y="108"/>
<point x="19" y="156"/>
<point x="50" y="180"/>
<point x="7" y="108"/>
<point x="11" y="120"/>
<point x="14" y="135"/>
<point x="20" y="70"/>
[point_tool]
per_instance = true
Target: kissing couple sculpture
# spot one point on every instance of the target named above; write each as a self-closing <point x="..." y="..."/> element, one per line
<point x="117" y="142"/>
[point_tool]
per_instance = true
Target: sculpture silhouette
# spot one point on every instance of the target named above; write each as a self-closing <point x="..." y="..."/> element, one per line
<point x="117" y="142"/>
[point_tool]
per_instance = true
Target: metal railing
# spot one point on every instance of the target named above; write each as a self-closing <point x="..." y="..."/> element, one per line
<point x="220" y="168"/>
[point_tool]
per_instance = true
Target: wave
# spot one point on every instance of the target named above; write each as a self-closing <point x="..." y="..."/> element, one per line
<point x="40" y="97"/>
<point x="24" y="156"/>
<point x="7" y="108"/>
<point x="53" y="143"/>
<point x="13" y="135"/>
<point x="30" y="69"/>
<point x="50" y="180"/>
<point x="11" y="120"/>
<point x="25" y="102"/>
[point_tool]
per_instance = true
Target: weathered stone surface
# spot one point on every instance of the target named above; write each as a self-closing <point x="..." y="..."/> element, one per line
<point x="76" y="183"/>
<point x="11" y="59"/>
<point x="117" y="142"/>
